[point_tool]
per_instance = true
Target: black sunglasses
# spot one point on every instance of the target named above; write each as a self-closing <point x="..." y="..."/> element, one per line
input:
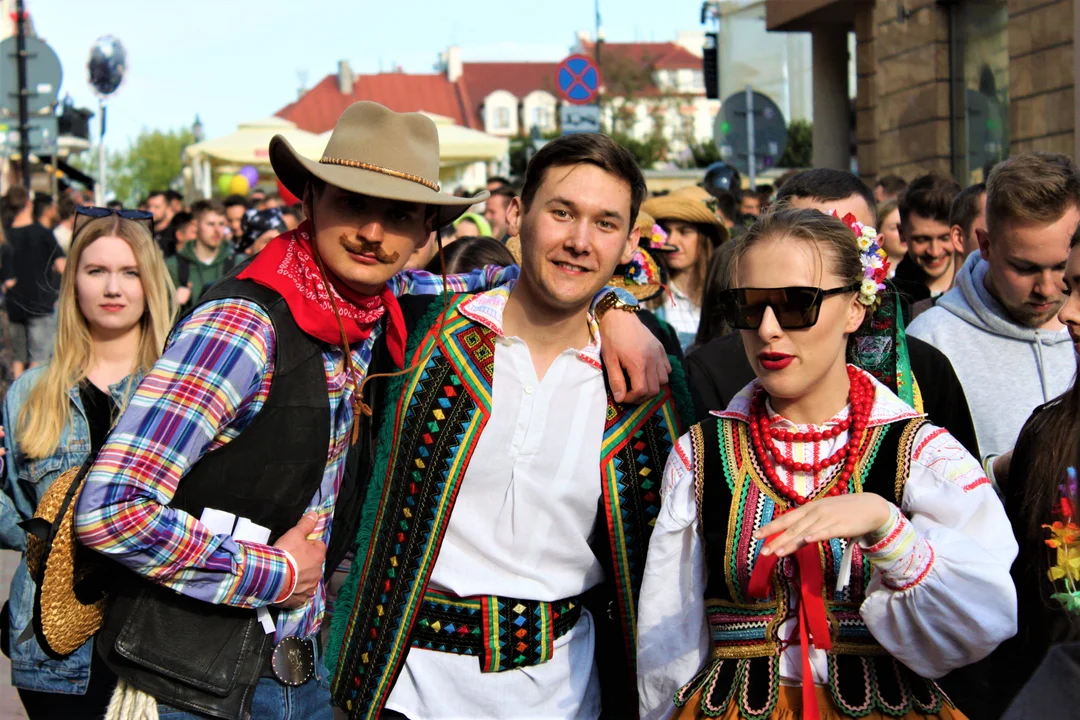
<point x="795" y="308"/>
<point x="91" y="211"/>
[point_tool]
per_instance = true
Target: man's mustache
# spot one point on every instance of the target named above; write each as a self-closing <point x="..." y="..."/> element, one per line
<point x="360" y="246"/>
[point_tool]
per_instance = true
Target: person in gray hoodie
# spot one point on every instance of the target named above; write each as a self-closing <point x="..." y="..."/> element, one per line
<point x="998" y="325"/>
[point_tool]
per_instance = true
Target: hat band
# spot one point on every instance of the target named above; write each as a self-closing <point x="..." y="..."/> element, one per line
<point x="380" y="169"/>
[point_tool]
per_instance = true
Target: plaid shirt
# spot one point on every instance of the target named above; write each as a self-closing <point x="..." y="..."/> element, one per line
<point x="208" y="385"/>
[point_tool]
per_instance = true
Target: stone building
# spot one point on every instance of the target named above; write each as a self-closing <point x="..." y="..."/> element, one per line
<point x="951" y="86"/>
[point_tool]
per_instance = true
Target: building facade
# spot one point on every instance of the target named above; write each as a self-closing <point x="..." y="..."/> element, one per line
<point x="951" y="86"/>
<point x="649" y="89"/>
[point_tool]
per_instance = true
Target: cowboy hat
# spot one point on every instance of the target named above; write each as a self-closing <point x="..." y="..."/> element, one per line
<point x="681" y="207"/>
<point x="377" y="152"/>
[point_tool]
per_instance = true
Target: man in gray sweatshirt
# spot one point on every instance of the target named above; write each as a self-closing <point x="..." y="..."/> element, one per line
<point x="998" y="325"/>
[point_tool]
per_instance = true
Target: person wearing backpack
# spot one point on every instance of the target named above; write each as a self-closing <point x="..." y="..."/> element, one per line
<point x="200" y="264"/>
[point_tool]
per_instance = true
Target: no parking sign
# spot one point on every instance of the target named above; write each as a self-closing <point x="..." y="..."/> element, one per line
<point x="578" y="79"/>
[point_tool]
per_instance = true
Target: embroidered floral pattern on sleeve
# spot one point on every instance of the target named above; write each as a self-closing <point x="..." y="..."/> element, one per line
<point x="903" y="557"/>
<point x="940" y="452"/>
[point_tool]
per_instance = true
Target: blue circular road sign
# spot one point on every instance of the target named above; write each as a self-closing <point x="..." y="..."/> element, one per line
<point x="578" y="79"/>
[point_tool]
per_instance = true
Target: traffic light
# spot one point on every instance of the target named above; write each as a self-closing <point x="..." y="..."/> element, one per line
<point x="709" y="65"/>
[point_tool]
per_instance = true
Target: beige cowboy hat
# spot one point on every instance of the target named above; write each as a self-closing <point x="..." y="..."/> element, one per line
<point x="377" y="152"/>
<point x="682" y="207"/>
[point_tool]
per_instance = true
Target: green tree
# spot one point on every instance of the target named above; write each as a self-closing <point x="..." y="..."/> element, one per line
<point x="151" y="162"/>
<point x="799" y="152"/>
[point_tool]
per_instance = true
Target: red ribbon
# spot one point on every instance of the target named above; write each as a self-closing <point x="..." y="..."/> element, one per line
<point x="813" y="625"/>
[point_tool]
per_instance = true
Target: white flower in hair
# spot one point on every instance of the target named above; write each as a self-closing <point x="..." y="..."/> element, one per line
<point x="868" y="292"/>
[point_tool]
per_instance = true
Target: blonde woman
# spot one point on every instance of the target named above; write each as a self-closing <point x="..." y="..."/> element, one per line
<point x="694" y="232"/>
<point x="115" y="310"/>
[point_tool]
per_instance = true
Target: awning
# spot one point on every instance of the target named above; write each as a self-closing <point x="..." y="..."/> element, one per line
<point x="250" y="144"/>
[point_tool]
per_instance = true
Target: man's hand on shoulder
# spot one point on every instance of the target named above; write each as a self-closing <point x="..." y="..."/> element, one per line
<point x="629" y="349"/>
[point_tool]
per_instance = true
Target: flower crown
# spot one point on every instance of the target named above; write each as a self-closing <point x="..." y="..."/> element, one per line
<point x="1063" y="535"/>
<point x="874" y="259"/>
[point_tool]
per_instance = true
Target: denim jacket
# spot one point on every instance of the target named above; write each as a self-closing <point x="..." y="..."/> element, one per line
<point x="24" y="482"/>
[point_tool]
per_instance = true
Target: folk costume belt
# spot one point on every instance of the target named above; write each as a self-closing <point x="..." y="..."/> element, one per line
<point x="504" y="633"/>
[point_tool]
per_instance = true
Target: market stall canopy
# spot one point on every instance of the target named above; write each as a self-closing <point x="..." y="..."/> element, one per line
<point x="250" y="144"/>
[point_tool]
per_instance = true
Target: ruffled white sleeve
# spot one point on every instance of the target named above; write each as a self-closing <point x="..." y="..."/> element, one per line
<point x="941" y="596"/>
<point x="672" y="631"/>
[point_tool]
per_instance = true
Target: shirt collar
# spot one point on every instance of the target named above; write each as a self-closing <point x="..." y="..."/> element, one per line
<point x="487" y="309"/>
<point x="888" y="408"/>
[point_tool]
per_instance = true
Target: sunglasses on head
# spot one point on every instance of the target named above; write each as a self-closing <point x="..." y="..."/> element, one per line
<point x="795" y="308"/>
<point x="99" y="212"/>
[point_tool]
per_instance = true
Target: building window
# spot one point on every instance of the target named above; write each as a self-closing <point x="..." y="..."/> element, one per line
<point x="686" y="80"/>
<point x="502" y="118"/>
<point x="541" y="117"/>
<point x="980" y="88"/>
<point x="699" y="81"/>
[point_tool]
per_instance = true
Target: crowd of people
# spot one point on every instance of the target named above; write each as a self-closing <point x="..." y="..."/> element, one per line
<point x="556" y="448"/>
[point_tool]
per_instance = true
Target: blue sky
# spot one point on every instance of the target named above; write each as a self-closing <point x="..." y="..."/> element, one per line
<point x="236" y="60"/>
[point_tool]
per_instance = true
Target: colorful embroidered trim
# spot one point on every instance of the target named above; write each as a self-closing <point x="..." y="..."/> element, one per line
<point x="504" y="633"/>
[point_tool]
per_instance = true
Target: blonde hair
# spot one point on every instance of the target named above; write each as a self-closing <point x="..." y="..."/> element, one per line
<point x="46" y="411"/>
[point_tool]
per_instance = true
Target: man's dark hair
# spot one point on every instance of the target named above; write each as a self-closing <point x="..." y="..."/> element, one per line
<point x="965" y="207"/>
<point x="930" y="196"/>
<point x="891" y="184"/>
<point x="295" y="210"/>
<point x="726" y="204"/>
<point x="498" y="179"/>
<point x="117" y="205"/>
<point x="157" y="193"/>
<point x="504" y="191"/>
<point x="234" y="200"/>
<point x="171" y="195"/>
<point x="593" y="149"/>
<point x="827" y="185"/>
<point x="42" y="203"/>
<point x="65" y="207"/>
<point x="201" y="207"/>
<point x="180" y="219"/>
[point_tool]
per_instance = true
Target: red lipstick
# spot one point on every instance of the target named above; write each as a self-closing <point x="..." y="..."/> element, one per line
<point x="775" y="361"/>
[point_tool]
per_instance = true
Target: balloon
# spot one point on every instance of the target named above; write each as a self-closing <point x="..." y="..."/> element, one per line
<point x="251" y="173"/>
<point x="239" y="185"/>
<point x="287" y="198"/>
<point x="224" y="182"/>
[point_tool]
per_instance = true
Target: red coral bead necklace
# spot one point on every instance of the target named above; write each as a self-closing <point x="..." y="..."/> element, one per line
<point x="762" y="434"/>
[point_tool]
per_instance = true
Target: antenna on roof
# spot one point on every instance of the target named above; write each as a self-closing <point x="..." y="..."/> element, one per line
<point x="301" y="77"/>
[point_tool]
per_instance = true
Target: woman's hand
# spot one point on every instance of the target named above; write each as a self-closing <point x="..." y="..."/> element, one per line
<point x="843" y="516"/>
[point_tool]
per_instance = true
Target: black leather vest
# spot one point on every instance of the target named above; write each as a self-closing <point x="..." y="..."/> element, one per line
<point x="208" y="658"/>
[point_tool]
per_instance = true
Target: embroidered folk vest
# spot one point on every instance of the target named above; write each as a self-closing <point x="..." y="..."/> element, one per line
<point x="734" y="501"/>
<point x="426" y="442"/>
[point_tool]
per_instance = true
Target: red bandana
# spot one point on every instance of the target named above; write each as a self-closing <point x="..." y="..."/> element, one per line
<point x="286" y="265"/>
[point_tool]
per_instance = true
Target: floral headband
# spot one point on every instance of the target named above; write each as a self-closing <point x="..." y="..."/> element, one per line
<point x="1063" y="535"/>
<point x="874" y="259"/>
